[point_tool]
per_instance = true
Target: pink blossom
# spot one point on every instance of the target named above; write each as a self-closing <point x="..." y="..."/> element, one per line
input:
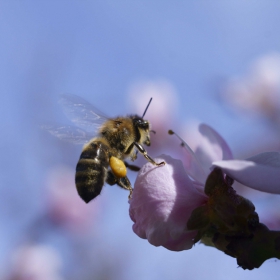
<point x="36" y="262"/>
<point x="164" y="197"/>
<point x="162" y="202"/>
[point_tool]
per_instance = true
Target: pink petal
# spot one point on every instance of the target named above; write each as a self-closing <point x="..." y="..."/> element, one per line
<point x="193" y="165"/>
<point x="260" y="172"/>
<point x="220" y="149"/>
<point x="211" y="147"/>
<point x="162" y="201"/>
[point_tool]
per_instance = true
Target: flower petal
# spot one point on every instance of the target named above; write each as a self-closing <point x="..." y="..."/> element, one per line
<point x="260" y="172"/>
<point x="162" y="202"/>
<point x="193" y="166"/>
<point x="219" y="145"/>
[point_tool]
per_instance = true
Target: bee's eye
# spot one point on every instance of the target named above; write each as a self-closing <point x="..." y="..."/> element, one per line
<point x="145" y="125"/>
<point x="142" y="124"/>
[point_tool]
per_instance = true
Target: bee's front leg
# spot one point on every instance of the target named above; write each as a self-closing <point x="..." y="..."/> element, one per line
<point x="145" y="154"/>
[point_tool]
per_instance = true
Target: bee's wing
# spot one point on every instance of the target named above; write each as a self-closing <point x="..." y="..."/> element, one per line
<point x="81" y="112"/>
<point x="69" y="133"/>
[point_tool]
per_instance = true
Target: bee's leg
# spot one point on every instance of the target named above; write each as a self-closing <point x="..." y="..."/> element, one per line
<point x="145" y="154"/>
<point x="132" y="167"/>
<point x="111" y="179"/>
<point x="121" y="182"/>
<point x="125" y="183"/>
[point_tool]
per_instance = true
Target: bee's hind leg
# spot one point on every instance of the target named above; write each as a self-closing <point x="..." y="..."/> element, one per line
<point x="132" y="166"/>
<point x="121" y="182"/>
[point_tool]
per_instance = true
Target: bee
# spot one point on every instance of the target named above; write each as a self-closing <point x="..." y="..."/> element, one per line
<point x="108" y="143"/>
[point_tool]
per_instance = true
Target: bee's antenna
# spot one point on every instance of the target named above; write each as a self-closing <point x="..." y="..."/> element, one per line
<point x="144" y="115"/>
<point x="147" y="107"/>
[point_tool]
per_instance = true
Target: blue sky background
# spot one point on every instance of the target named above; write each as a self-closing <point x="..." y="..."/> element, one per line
<point x="98" y="49"/>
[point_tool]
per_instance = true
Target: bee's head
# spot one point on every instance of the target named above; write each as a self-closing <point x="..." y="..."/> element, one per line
<point x="142" y="129"/>
<point x="140" y="123"/>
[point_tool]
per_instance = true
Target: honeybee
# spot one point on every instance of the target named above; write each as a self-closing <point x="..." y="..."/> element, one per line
<point x="103" y="155"/>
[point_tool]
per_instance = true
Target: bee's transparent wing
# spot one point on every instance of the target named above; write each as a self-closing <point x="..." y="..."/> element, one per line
<point x="81" y="112"/>
<point x="69" y="133"/>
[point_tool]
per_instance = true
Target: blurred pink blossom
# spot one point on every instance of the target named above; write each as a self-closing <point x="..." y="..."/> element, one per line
<point x="259" y="90"/>
<point x="36" y="262"/>
<point x="164" y="105"/>
<point x="64" y="205"/>
<point x="162" y="111"/>
<point x="272" y="218"/>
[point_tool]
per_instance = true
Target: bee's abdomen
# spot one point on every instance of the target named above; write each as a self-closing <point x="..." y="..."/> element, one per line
<point x="91" y="170"/>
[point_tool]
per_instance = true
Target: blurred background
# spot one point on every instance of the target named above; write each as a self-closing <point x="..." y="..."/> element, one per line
<point x="216" y="62"/>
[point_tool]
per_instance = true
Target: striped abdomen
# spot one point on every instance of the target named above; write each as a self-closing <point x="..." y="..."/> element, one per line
<point x="91" y="170"/>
